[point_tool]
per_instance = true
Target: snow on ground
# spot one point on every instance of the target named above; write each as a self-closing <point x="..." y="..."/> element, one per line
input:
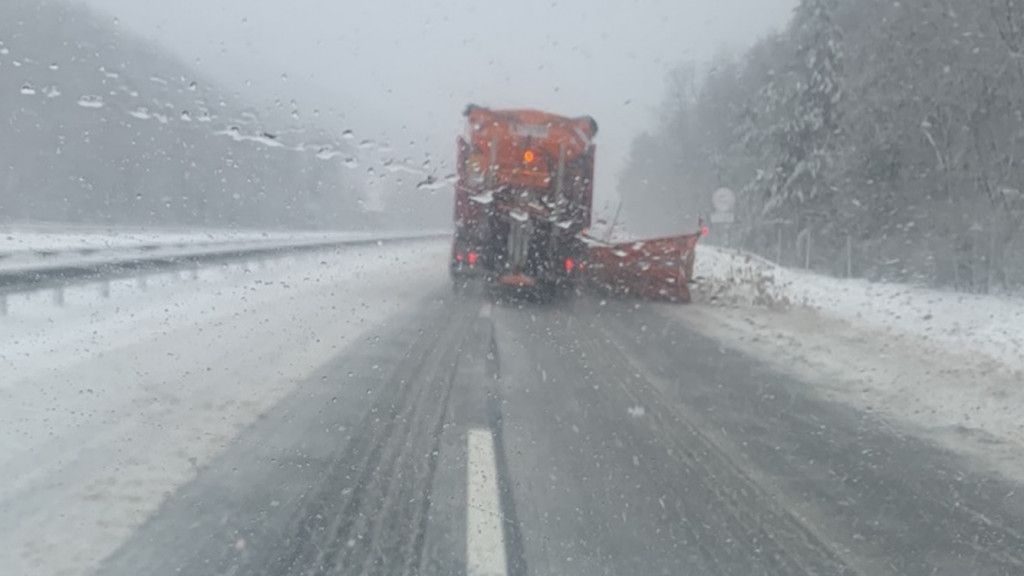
<point x="943" y="365"/>
<point x="109" y="403"/>
<point x="983" y="324"/>
<point x="47" y="237"/>
<point x="33" y="247"/>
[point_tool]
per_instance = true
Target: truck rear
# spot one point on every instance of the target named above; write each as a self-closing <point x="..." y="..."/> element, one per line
<point x="523" y="204"/>
<point x="523" y="198"/>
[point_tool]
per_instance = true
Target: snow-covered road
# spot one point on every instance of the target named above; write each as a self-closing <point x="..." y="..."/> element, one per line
<point x="946" y="366"/>
<point x="108" y="404"/>
<point x="324" y="410"/>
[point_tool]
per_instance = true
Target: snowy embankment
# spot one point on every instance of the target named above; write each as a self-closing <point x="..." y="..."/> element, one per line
<point x="982" y="324"/>
<point x="944" y="365"/>
<point x="33" y="248"/>
<point x="111" y="400"/>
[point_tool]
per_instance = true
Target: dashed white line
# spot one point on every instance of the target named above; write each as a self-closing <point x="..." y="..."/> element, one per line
<point x="485" y="534"/>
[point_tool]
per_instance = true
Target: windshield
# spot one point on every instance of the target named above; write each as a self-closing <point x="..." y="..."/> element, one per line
<point x="726" y="287"/>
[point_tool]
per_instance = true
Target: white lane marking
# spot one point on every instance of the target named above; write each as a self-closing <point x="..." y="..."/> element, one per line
<point x="485" y="535"/>
<point x="485" y="310"/>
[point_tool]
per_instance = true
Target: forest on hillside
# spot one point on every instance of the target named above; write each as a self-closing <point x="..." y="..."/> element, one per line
<point x="872" y="138"/>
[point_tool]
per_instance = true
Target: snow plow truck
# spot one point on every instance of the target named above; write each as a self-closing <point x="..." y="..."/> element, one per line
<point x="523" y="208"/>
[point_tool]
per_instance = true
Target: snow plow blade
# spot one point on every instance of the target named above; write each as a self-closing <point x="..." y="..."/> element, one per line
<point x="658" y="269"/>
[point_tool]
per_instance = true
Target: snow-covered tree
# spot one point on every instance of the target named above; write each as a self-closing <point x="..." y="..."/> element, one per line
<point x="795" y="118"/>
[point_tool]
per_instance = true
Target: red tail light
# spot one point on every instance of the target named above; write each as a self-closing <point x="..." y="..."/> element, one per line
<point x="570" y="264"/>
<point x="704" y="230"/>
<point x="471" y="258"/>
<point x="458" y="256"/>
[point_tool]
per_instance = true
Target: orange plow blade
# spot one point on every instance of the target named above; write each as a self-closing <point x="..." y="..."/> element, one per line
<point x="658" y="269"/>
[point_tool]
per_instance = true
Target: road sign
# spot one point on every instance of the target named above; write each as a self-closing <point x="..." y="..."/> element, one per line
<point x="723" y="200"/>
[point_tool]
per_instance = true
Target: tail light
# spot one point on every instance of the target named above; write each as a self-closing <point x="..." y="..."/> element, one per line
<point x="458" y="257"/>
<point x="570" y="265"/>
<point x="471" y="257"/>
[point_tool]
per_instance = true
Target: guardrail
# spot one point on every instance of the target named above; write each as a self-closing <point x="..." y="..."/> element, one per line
<point x="100" y="265"/>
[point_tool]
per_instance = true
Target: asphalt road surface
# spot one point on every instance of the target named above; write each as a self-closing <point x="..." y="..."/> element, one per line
<point x="584" y="437"/>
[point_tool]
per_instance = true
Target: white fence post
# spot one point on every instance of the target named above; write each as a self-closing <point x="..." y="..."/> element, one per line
<point x="849" y="257"/>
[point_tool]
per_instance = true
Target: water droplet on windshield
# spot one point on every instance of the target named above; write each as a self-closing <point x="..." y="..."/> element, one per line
<point x="348" y="135"/>
<point x="351" y="162"/>
<point x="284" y="77"/>
<point x="326" y="153"/>
<point x="186" y="116"/>
<point x="192" y="86"/>
<point x="90" y="101"/>
<point x="54" y="66"/>
<point x="28" y="90"/>
<point x="295" y="114"/>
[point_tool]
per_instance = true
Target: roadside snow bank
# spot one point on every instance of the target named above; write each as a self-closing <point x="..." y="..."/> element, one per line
<point x="971" y="323"/>
<point x="942" y="366"/>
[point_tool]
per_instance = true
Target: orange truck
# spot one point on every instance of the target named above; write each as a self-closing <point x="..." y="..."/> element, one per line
<point x="523" y="206"/>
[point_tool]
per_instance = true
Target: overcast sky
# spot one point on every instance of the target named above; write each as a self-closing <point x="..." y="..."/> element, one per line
<point x="403" y="71"/>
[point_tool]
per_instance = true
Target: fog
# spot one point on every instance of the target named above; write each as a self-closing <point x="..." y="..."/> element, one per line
<point x="401" y="72"/>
